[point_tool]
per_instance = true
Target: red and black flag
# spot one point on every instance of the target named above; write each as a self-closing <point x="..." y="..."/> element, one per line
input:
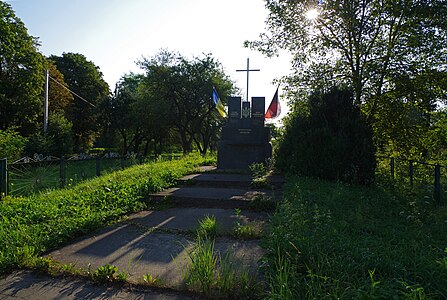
<point x="274" y="108"/>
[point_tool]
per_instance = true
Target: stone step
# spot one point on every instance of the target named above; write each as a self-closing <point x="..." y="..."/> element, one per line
<point x="187" y="219"/>
<point x="228" y="180"/>
<point x="137" y="252"/>
<point x="215" y="197"/>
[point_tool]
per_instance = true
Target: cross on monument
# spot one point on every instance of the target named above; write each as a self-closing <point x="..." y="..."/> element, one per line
<point x="248" y="71"/>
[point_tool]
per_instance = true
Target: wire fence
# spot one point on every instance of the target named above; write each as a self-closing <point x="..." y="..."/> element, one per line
<point x="30" y="175"/>
<point x="429" y="176"/>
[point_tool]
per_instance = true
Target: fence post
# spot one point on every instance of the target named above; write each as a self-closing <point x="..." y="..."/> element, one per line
<point x="98" y="166"/>
<point x="3" y="177"/>
<point x="62" y="171"/>
<point x="392" y="167"/>
<point x="437" y="190"/>
<point x="411" y="172"/>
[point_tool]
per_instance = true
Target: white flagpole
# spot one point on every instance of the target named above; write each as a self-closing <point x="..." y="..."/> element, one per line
<point x="45" y="104"/>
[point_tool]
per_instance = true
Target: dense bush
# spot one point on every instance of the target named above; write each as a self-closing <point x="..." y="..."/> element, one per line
<point x="58" y="141"/>
<point x="331" y="140"/>
<point x="11" y="144"/>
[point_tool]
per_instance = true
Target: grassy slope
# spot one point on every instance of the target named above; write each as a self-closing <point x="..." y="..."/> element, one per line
<point x="29" y="226"/>
<point x="330" y="240"/>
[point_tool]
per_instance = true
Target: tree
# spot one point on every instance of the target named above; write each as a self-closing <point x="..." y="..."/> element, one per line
<point x="391" y="53"/>
<point x="120" y="111"/>
<point x="12" y="144"/>
<point x="59" y="97"/>
<point x="57" y="141"/>
<point x="183" y="88"/>
<point x="85" y="79"/>
<point x="367" y="44"/>
<point x="331" y="140"/>
<point x="21" y="74"/>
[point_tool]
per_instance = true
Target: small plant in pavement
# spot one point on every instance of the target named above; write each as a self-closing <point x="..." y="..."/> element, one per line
<point x="214" y="275"/>
<point x="105" y="273"/>
<point x="151" y="280"/>
<point x="208" y="227"/>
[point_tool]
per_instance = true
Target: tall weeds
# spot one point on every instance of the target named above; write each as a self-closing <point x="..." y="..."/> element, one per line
<point x="330" y="240"/>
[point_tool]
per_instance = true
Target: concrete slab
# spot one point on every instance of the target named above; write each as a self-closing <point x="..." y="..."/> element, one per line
<point x="187" y="219"/>
<point x="228" y="180"/>
<point x="212" y="197"/>
<point x="202" y="169"/>
<point x="162" y="255"/>
<point x="32" y="286"/>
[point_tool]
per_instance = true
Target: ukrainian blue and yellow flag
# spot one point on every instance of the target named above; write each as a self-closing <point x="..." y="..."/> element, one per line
<point x="218" y="103"/>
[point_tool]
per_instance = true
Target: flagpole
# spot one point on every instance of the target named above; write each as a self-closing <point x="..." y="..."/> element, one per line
<point x="248" y="68"/>
<point x="45" y="104"/>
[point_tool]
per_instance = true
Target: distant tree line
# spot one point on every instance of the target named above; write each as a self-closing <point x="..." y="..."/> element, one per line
<point x="169" y="106"/>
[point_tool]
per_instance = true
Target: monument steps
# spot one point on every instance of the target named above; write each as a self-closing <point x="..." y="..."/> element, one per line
<point x="210" y="179"/>
<point x="159" y="242"/>
<point x="213" y="197"/>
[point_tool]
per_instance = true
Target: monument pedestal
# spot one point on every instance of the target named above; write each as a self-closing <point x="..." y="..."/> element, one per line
<point x="244" y="139"/>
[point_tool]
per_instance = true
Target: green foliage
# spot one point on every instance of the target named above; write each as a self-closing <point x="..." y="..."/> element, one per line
<point x="215" y="275"/>
<point x="208" y="227"/>
<point x="390" y="53"/>
<point x="333" y="141"/>
<point x="21" y="74"/>
<point x="177" y="91"/>
<point x="244" y="231"/>
<point x="368" y="45"/>
<point x="201" y="272"/>
<point x="257" y="170"/>
<point x="57" y="141"/>
<point x="12" y="144"/>
<point x="105" y="273"/>
<point x="330" y="240"/>
<point x="262" y="203"/>
<point x="60" y="131"/>
<point x="85" y="79"/>
<point x="123" y="113"/>
<point x="33" y="225"/>
<point x="150" y="280"/>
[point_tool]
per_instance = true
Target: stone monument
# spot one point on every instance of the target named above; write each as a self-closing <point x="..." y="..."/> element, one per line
<point x="244" y="139"/>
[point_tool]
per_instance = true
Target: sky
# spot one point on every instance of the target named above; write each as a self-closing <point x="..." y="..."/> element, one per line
<point x="114" y="34"/>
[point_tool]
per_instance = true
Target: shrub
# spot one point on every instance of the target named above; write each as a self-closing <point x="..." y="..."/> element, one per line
<point x="58" y="141"/>
<point x="12" y="144"/>
<point x="332" y="141"/>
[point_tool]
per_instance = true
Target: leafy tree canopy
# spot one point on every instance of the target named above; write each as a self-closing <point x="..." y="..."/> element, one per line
<point x="85" y="79"/>
<point x="59" y="97"/>
<point x="21" y="74"/>
<point x="368" y="44"/>
<point x="180" y="89"/>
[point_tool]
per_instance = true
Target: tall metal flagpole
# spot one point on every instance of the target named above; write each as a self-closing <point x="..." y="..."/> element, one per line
<point x="248" y="71"/>
<point x="45" y="104"/>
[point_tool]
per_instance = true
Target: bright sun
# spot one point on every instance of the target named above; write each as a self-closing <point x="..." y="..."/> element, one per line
<point x="312" y="14"/>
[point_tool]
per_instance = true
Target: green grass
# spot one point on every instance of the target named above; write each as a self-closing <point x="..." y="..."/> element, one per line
<point x="30" y="226"/>
<point x="213" y="274"/>
<point x="208" y="227"/>
<point x="329" y="241"/>
<point x="30" y="178"/>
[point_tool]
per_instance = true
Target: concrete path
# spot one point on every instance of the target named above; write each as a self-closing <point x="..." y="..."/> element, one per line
<point x="31" y="286"/>
<point x="139" y="246"/>
<point x="156" y="242"/>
